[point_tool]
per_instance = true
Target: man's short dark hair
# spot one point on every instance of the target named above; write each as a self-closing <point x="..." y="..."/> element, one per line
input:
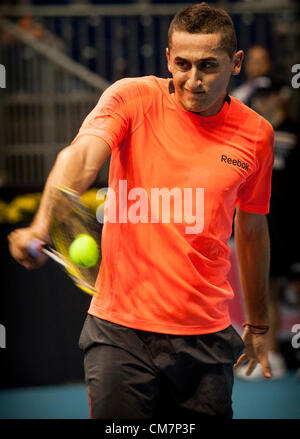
<point x="205" y="19"/>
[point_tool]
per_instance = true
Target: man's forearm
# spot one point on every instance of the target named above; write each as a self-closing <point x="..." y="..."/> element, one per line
<point x="76" y="167"/>
<point x="253" y="252"/>
<point x="41" y="221"/>
<point x="65" y="171"/>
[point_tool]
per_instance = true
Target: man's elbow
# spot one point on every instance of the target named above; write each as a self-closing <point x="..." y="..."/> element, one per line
<point x="65" y="154"/>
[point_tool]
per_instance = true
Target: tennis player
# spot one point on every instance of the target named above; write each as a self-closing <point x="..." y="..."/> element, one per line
<point x="158" y="338"/>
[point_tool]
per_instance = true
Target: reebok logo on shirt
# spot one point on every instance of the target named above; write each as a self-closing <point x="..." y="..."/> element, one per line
<point x="234" y="162"/>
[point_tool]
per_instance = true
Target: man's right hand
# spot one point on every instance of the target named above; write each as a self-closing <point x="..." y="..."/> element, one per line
<point x="18" y="246"/>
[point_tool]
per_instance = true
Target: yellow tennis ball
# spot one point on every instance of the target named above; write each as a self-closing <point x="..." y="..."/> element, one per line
<point x="84" y="251"/>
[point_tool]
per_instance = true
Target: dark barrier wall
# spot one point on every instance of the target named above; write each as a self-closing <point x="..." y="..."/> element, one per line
<point x="43" y="313"/>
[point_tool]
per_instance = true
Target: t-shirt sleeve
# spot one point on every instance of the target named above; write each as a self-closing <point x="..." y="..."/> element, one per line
<point x="254" y="194"/>
<point x="109" y="120"/>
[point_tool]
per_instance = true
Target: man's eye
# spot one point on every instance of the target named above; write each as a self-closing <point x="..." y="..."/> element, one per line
<point x="208" y="65"/>
<point x="181" y="64"/>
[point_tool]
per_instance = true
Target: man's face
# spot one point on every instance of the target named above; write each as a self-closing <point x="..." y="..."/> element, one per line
<point x="201" y="71"/>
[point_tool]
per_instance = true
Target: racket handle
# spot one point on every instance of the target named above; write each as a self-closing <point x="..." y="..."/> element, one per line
<point x="34" y="248"/>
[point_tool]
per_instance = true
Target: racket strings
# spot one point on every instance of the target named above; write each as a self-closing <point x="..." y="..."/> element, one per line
<point x="65" y="229"/>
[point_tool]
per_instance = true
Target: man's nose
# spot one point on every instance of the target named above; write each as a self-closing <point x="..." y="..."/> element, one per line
<point x="195" y="79"/>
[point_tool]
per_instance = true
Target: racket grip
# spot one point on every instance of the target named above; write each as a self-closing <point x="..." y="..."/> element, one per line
<point x="34" y="248"/>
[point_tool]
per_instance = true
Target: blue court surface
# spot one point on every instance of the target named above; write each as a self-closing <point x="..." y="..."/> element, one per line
<point x="274" y="399"/>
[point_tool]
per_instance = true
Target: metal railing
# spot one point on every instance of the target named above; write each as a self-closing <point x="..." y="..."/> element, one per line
<point x="56" y="76"/>
<point x="47" y="97"/>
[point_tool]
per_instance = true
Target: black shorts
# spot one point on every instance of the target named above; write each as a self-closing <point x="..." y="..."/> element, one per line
<point x="134" y="374"/>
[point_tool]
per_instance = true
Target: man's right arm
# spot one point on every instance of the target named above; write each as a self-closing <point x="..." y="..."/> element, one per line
<point x="76" y="167"/>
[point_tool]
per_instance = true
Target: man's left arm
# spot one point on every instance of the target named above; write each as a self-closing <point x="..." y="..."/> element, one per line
<point x="253" y="252"/>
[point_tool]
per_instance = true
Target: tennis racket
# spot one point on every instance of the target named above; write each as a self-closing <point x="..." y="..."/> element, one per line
<point x="70" y="219"/>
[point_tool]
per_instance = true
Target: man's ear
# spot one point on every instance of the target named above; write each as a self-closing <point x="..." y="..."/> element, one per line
<point x="168" y="59"/>
<point x="237" y="62"/>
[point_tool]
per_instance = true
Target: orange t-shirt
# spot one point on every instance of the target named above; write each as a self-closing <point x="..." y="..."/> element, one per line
<point x="177" y="178"/>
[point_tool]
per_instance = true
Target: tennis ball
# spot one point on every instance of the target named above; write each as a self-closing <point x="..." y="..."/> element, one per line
<point x="84" y="251"/>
